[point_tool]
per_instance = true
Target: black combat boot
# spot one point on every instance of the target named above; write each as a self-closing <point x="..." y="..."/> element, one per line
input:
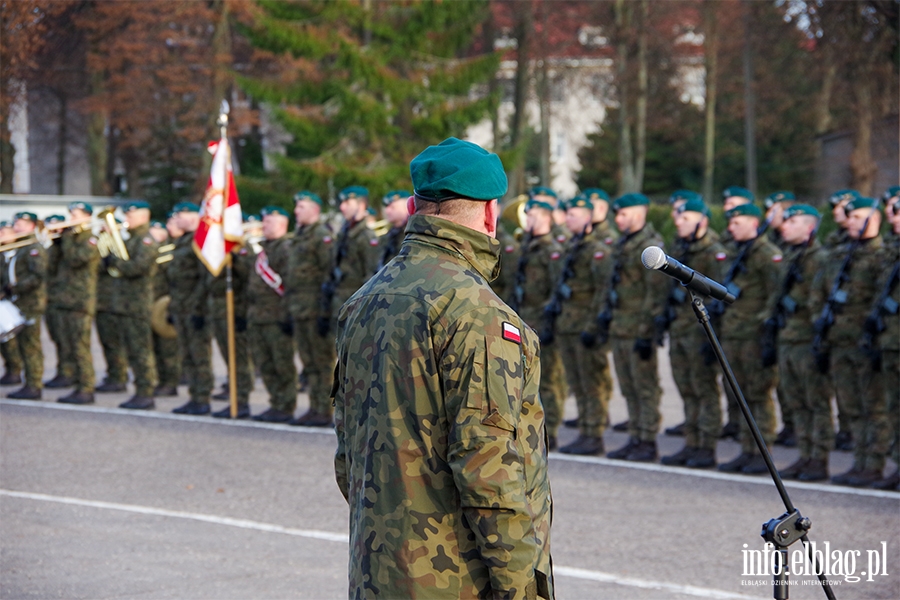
<point x="786" y="437"/>
<point x="192" y="407"/>
<point x="891" y="482"/>
<point x="623" y="452"/>
<point x="60" y="381"/>
<point x="677" y="430"/>
<point x="110" y="387"/>
<point x="793" y="471"/>
<point x="815" y="470"/>
<point x="273" y="415"/>
<point x="756" y="466"/>
<point x="243" y="412"/>
<point x="679" y="458"/>
<point x="26" y="393"/>
<point x="738" y="464"/>
<point x="11" y="378"/>
<point x="584" y="445"/>
<point x="623" y="426"/>
<point x="77" y="397"/>
<point x="165" y="390"/>
<point x="643" y="452"/>
<point x="139" y="403"/>
<point x="704" y="458"/>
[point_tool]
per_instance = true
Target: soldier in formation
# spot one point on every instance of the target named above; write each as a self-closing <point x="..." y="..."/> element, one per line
<point x="9" y="349"/>
<point x="393" y="205"/>
<point x="166" y="350"/>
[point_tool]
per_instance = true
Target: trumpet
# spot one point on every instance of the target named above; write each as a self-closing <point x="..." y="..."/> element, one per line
<point x="55" y="230"/>
<point x="109" y="239"/>
<point x="165" y="253"/>
<point x="22" y="240"/>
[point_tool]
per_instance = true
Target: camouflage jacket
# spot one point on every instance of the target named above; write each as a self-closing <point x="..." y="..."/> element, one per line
<point x="217" y="287"/>
<point x="509" y="259"/>
<point x="264" y="304"/>
<point x="56" y="283"/>
<point x="758" y="279"/>
<point x="890" y="337"/>
<point x="538" y="269"/>
<point x="78" y="271"/>
<point x="108" y="291"/>
<point x="589" y="274"/>
<point x="389" y="245"/>
<point x="187" y="279"/>
<point x="642" y="293"/>
<point x="359" y="262"/>
<point x="860" y="285"/>
<point x="307" y="270"/>
<point x="705" y="255"/>
<point x="798" y="326"/>
<point x="28" y="265"/>
<point x="135" y="286"/>
<point x="442" y="450"/>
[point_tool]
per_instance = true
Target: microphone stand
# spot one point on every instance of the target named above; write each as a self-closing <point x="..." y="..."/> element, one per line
<point x="786" y="529"/>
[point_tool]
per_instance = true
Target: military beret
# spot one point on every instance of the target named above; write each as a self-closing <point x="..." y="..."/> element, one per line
<point x="801" y="209"/>
<point x="54" y="219"/>
<point x="842" y="195"/>
<point x="861" y="202"/>
<point x="273" y="210"/>
<point x="630" y="200"/>
<point x="4" y="224"/>
<point x="395" y="196"/>
<point x="307" y="195"/>
<point x="156" y="224"/>
<point x="26" y="216"/>
<point x="541" y="191"/>
<point x="81" y="206"/>
<point x="739" y="192"/>
<point x="776" y="197"/>
<point x="686" y="195"/>
<point x="371" y="212"/>
<point x="535" y="203"/>
<point x="185" y="207"/>
<point x="595" y="194"/>
<point x="750" y="210"/>
<point x="457" y="169"/>
<point x="135" y="205"/>
<point x="353" y="192"/>
<point x="580" y="201"/>
<point x="891" y="192"/>
<point x="696" y="205"/>
<point x="248" y="218"/>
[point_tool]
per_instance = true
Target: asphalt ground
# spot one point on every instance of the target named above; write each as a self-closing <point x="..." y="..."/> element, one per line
<point x="98" y="502"/>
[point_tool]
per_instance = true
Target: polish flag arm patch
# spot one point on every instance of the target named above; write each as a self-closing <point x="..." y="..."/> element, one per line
<point x="511" y="333"/>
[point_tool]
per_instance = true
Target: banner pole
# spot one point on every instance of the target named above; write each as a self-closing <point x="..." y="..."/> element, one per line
<point x="232" y="362"/>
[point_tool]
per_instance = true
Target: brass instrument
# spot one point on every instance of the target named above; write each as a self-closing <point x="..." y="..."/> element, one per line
<point x="380" y="227"/>
<point x="109" y="239"/>
<point x="158" y="322"/>
<point x="55" y="230"/>
<point x="21" y="240"/>
<point x="514" y="212"/>
<point x="165" y="253"/>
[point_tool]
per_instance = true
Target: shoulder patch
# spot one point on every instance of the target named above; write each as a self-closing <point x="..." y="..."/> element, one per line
<point x="511" y="333"/>
<point x="326" y="239"/>
<point x="509" y="249"/>
<point x="776" y="258"/>
<point x="721" y="256"/>
<point x="608" y="241"/>
<point x="373" y="242"/>
<point x="243" y="252"/>
<point x="34" y="252"/>
<point x="599" y="255"/>
<point x="560" y="238"/>
<point x="147" y="240"/>
<point x="554" y="256"/>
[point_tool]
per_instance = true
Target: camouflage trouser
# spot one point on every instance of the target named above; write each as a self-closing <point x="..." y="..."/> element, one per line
<point x="699" y="390"/>
<point x="138" y="337"/>
<point x="12" y="360"/>
<point x="807" y="396"/>
<point x="890" y="366"/>
<point x="55" y="318"/>
<point x="196" y="356"/>
<point x="317" y="354"/>
<point x="756" y="382"/>
<point x="273" y="353"/>
<point x="639" y="382"/>
<point x="32" y="354"/>
<point x="553" y="388"/>
<point x="112" y="338"/>
<point x="76" y="337"/>
<point x="243" y="371"/>
<point x="787" y="414"/>
<point x="865" y="404"/>
<point x="586" y="382"/>
<point x="168" y="360"/>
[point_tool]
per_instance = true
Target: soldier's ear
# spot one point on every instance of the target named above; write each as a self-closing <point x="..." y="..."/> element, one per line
<point x="411" y="205"/>
<point x="491" y="216"/>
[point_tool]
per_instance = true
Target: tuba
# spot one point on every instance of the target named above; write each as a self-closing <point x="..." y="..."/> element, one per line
<point x="109" y="239"/>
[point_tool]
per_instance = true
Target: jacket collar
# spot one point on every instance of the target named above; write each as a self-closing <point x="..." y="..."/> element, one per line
<point x="478" y="249"/>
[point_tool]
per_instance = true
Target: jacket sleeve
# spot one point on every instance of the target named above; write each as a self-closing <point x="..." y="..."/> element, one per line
<point x="141" y="258"/>
<point x="35" y="273"/>
<point x="77" y="250"/>
<point x="656" y="291"/>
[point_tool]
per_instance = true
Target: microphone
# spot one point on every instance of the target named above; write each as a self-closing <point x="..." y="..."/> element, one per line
<point x="654" y="258"/>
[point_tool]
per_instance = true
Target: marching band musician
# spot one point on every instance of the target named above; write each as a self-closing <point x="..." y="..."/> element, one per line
<point x="9" y="350"/>
<point x="165" y="349"/>
<point x="53" y="316"/>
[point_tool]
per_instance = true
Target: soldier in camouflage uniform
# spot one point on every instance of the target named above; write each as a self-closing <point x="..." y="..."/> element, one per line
<point x="12" y="360"/>
<point x="533" y="279"/>
<point x="509" y="258"/>
<point x="695" y="376"/>
<point x="269" y="322"/>
<point x="755" y="262"/>
<point x="78" y="269"/>
<point x="806" y="394"/>
<point x="24" y="282"/>
<point x="111" y="335"/>
<point x="165" y="349"/>
<point x="445" y="375"/>
<point x="187" y="288"/>
<point x="135" y="299"/>
<point x="53" y="316"/>
<point x="856" y="380"/>
<point x="395" y="212"/>
<point x="308" y="264"/>
<point x="355" y="252"/>
<point x="635" y="301"/>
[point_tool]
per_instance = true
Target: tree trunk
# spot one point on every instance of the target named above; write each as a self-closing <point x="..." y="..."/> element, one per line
<point x="493" y="83"/>
<point x="626" y="164"/>
<point x="711" y="51"/>
<point x="97" y="147"/>
<point x="7" y="152"/>
<point x="823" y="101"/>
<point x="523" y="39"/>
<point x="544" y="100"/>
<point x="862" y="165"/>
<point x="641" y="102"/>
<point x="749" y="104"/>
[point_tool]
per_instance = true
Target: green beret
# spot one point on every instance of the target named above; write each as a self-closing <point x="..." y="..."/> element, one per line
<point x="861" y="202"/>
<point x="630" y="200"/>
<point x="371" y="212"/>
<point x="273" y="210"/>
<point x="25" y="215"/>
<point x="354" y="192"/>
<point x="185" y="207"/>
<point x="739" y="192"/>
<point x="4" y="224"/>
<point x="686" y="195"/>
<point x="82" y="206"/>
<point x="457" y="169"/>
<point x="751" y="210"/>
<point x="801" y="209"/>
<point x="395" y="196"/>
<point x="535" y="203"/>
<point x="776" y="197"/>
<point x="841" y="195"/>
<point x="156" y="224"/>
<point x="891" y="192"/>
<point x="306" y="195"/>
<point x="54" y="219"/>
<point x="542" y="191"/>
<point x="696" y="205"/>
<point x="595" y="194"/>
<point x="580" y="201"/>
<point x="135" y="205"/>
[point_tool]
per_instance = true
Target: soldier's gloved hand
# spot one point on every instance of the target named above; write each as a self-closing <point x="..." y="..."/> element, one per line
<point x="588" y="339"/>
<point x="871" y="325"/>
<point x="240" y="324"/>
<point x="323" y="326"/>
<point x="169" y="319"/>
<point x="823" y="362"/>
<point x="198" y="321"/>
<point x="706" y="351"/>
<point x="287" y="327"/>
<point x="546" y="336"/>
<point x="644" y="348"/>
<point x="107" y="261"/>
<point x="769" y="355"/>
<point x="7" y="291"/>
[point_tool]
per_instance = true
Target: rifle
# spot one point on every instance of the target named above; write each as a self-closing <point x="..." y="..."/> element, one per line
<point x="612" y="298"/>
<point x="335" y="276"/>
<point x="874" y="325"/>
<point x="561" y="291"/>
<point x="519" y="281"/>
<point x="717" y="307"/>
<point x="677" y="295"/>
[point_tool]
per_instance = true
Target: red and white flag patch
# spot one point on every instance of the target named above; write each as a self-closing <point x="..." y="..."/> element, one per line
<point x="554" y="256"/>
<point x="509" y="249"/>
<point x="373" y="242"/>
<point x="776" y="258"/>
<point x="721" y="256"/>
<point x="598" y="255"/>
<point x="327" y="239"/>
<point x="511" y="333"/>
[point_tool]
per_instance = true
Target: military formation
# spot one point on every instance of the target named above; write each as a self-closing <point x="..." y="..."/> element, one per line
<point x="812" y="321"/>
